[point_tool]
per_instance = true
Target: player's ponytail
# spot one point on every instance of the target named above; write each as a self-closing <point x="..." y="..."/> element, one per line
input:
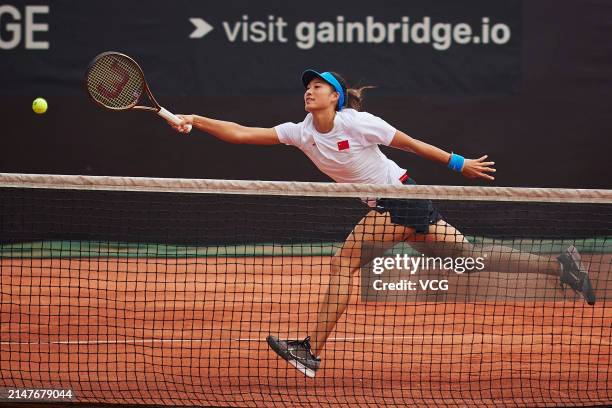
<point x="354" y="97"/>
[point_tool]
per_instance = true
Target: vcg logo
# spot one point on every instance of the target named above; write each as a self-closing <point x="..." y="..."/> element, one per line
<point x="23" y="25"/>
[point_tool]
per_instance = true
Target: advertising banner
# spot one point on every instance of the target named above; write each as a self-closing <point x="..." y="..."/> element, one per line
<point x="243" y="47"/>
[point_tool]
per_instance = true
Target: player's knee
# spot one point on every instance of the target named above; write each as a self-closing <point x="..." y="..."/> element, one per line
<point x="336" y="264"/>
<point x="342" y="266"/>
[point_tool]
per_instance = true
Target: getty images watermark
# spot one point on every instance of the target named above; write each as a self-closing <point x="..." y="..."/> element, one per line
<point x="460" y="272"/>
<point x="412" y="264"/>
<point x="413" y="276"/>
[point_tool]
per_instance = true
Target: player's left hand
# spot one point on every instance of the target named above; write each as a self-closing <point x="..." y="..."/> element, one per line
<point x="478" y="168"/>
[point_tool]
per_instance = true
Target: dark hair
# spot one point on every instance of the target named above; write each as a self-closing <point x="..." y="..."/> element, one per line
<point x="353" y="97"/>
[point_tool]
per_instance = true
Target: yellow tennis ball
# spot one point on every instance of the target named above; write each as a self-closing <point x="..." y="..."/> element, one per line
<point x="39" y="105"/>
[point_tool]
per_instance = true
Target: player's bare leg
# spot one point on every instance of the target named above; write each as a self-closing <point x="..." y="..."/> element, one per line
<point x="447" y="241"/>
<point x="374" y="228"/>
<point x="442" y="239"/>
<point x="345" y="263"/>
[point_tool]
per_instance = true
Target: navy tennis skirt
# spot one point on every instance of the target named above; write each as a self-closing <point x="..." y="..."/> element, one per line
<point x="414" y="213"/>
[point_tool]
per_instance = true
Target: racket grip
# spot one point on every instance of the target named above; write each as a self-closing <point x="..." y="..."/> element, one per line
<point x="170" y="117"/>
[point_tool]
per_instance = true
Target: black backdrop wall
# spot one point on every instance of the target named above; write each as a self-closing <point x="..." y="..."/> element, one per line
<point x="528" y="83"/>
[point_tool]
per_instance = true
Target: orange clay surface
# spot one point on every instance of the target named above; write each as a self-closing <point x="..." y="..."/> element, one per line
<point x="192" y="332"/>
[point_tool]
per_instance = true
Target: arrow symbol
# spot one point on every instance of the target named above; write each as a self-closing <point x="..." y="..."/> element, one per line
<point x="201" y="28"/>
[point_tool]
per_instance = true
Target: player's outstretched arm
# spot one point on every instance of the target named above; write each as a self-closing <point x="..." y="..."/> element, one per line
<point x="471" y="168"/>
<point x="228" y="131"/>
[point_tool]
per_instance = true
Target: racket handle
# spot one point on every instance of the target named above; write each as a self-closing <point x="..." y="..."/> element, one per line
<point x="171" y="117"/>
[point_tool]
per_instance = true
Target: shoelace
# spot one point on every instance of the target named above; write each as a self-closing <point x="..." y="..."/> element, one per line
<point x="577" y="273"/>
<point x="301" y="343"/>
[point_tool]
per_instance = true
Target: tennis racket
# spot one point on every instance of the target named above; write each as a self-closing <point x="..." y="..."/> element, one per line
<point x="116" y="82"/>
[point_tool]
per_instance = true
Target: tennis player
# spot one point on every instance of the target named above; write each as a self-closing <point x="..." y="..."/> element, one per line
<point x="342" y="141"/>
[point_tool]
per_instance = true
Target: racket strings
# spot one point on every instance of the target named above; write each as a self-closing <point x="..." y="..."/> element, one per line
<point x="115" y="82"/>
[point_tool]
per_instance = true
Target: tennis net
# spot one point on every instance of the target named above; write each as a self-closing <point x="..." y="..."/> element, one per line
<point x="164" y="291"/>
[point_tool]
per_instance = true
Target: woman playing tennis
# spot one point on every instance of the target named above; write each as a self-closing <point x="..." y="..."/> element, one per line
<point x="342" y="141"/>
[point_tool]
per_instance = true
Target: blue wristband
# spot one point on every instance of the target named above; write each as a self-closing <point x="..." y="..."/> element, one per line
<point x="456" y="162"/>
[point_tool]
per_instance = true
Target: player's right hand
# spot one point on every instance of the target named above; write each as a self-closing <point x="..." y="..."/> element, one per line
<point x="185" y="125"/>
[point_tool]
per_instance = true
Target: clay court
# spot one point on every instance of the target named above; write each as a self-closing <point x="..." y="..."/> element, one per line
<point x="191" y="331"/>
<point x="187" y="186"/>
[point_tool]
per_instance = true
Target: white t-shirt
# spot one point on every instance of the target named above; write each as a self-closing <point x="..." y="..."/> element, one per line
<point x="349" y="153"/>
